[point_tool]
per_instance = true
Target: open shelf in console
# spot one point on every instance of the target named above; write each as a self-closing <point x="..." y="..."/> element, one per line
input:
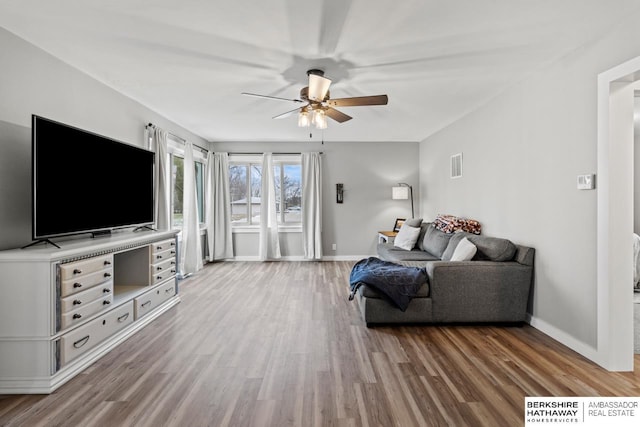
<point x="130" y="273"/>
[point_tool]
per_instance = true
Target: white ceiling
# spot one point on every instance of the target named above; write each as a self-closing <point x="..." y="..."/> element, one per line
<point x="189" y="60"/>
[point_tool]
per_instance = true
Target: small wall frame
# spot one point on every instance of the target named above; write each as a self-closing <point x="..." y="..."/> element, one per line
<point x="398" y="224"/>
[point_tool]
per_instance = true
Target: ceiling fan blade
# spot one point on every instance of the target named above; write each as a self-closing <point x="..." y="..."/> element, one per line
<point x="287" y="114"/>
<point x="336" y="115"/>
<point x="271" y="97"/>
<point x="359" y="100"/>
<point x="318" y="87"/>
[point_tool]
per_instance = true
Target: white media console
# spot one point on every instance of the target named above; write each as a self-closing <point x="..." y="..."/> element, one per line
<point x="62" y="309"/>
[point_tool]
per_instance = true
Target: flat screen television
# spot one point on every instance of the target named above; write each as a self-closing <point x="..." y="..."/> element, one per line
<point x="87" y="183"/>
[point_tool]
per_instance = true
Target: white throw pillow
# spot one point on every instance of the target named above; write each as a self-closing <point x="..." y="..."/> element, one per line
<point x="464" y="251"/>
<point x="407" y="237"/>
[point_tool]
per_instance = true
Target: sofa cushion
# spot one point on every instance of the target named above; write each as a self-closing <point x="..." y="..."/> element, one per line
<point x="423" y="229"/>
<point x="435" y="241"/>
<point x="453" y="244"/>
<point x="465" y="250"/>
<point x="414" y="222"/>
<point x="493" y="248"/>
<point x="388" y="252"/>
<point x="407" y="236"/>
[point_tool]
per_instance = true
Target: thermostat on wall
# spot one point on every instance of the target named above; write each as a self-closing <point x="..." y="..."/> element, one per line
<point x="586" y="182"/>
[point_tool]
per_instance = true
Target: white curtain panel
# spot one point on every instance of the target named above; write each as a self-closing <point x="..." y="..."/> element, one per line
<point x="191" y="247"/>
<point x="162" y="191"/>
<point x="269" y="243"/>
<point x="218" y="207"/>
<point x="312" y="205"/>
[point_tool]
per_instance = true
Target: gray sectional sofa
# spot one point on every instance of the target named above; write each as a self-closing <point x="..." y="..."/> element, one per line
<point x="492" y="287"/>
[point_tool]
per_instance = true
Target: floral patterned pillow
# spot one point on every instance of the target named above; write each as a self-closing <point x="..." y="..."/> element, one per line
<point x="452" y="224"/>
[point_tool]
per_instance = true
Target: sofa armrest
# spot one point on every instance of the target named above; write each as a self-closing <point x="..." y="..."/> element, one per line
<point x="479" y="291"/>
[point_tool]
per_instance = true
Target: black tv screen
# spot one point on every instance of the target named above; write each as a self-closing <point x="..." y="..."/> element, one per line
<point x="84" y="182"/>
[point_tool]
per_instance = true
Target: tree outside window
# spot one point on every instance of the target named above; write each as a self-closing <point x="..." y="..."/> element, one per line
<point x="245" y="184"/>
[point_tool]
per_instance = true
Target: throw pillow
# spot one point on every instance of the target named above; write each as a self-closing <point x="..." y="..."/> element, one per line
<point x="407" y="237"/>
<point x="414" y="222"/>
<point x="435" y="241"/>
<point x="464" y="251"/>
<point x="453" y="244"/>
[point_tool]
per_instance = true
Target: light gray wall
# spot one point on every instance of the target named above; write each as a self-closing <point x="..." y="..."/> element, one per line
<point x="34" y="82"/>
<point x="368" y="170"/>
<point x="522" y="154"/>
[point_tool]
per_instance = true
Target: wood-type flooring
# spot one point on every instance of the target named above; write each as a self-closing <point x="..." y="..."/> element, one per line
<point x="279" y="344"/>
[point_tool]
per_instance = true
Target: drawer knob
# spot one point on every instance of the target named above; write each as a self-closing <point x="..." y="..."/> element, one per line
<point x="123" y="317"/>
<point x="173" y="252"/>
<point x="159" y="256"/>
<point x="107" y="274"/>
<point x="106" y="302"/>
<point x="173" y="263"/>
<point x="158" y="268"/>
<point x="173" y="270"/>
<point x="106" y="290"/>
<point x="158" y="277"/>
<point x="81" y="342"/>
<point x="145" y="304"/>
<point x="77" y="285"/>
<point x="77" y="271"/>
<point x="77" y="302"/>
<point x="77" y="316"/>
<point x="173" y="243"/>
<point x="107" y="262"/>
<point x="159" y="248"/>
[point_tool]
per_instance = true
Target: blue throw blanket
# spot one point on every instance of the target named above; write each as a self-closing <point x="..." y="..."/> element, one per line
<point x="395" y="282"/>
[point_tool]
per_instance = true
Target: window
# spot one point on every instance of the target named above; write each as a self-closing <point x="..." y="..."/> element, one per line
<point x="176" y="152"/>
<point x="245" y="185"/>
<point x="288" y="192"/>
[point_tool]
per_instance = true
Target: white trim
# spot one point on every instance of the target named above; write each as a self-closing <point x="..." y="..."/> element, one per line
<point x="562" y="337"/>
<point x="345" y="257"/>
<point x="301" y="258"/>
<point x="614" y="336"/>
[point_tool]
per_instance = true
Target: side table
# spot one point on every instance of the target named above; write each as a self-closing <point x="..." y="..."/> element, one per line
<point x="387" y="236"/>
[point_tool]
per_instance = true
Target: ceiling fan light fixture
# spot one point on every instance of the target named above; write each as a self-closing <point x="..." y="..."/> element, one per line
<point x="303" y="119"/>
<point x="319" y="118"/>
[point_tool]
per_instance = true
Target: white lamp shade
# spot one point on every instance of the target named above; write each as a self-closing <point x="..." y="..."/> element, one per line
<point x="399" y="193"/>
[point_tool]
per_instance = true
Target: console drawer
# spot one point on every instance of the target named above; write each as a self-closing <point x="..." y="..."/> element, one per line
<point x="81" y="299"/>
<point x="169" y="264"/>
<point x="159" y="276"/>
<point x="163" y="246"/>
<point x="83" y="267"/>
<point x="75" y="285"/>
<point x="76" y="316"/>
<point x="148" y="301"/>
<point x="88" y="336"/>
<point x="168" y="254"/>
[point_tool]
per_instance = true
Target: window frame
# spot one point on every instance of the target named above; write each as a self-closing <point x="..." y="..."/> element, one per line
<point x="175" y="148"/>
<point x="279" y="160"/>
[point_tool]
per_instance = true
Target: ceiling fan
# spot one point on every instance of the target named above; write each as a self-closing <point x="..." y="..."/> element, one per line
<point x="318" y="103"/>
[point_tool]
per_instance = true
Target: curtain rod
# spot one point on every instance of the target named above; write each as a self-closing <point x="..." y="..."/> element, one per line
<point x="152" y="126"/>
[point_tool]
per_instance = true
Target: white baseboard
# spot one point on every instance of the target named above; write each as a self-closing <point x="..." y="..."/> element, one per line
<point x="345" y="257"/>
<point x="301" y="258"/>
<point x="564" y="338"/>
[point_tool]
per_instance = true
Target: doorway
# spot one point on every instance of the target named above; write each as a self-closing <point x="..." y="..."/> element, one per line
<point x="615" y="331"/>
